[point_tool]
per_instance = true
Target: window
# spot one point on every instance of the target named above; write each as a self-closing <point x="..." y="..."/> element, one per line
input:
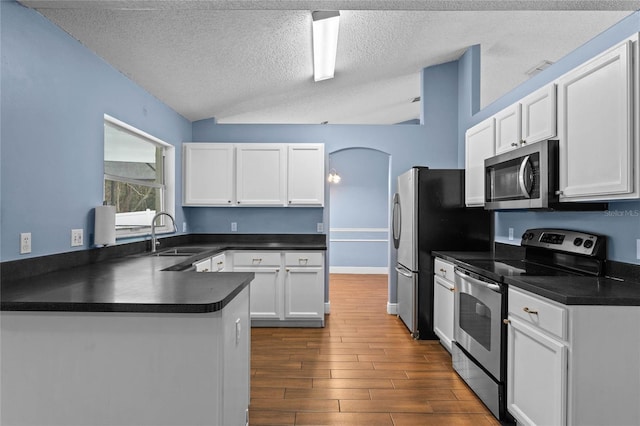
<point x="138" y="178"/>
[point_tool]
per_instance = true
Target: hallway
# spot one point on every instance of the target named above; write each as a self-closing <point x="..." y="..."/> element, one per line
<point x="363" y="368"/>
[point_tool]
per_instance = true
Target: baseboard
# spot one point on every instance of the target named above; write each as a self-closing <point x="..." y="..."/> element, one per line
<point x="327" y="307"/>
<point x="358" y="270"/>
<point x="392" y="308"/>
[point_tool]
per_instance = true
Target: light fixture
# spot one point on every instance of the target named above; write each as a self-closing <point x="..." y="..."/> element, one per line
<point x="334" y="177"/>
<point x="325" y="43"/>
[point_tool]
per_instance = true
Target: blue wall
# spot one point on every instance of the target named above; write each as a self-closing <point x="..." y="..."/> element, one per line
<point x="55" y="92"/>
<point x="622" y="221"/>
<point x="54" y="95"/>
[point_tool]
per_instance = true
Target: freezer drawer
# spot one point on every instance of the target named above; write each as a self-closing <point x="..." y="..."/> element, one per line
<point x="407" y="297"/>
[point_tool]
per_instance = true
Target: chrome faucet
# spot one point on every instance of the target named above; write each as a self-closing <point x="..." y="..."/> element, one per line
<point x="154" y="243"/>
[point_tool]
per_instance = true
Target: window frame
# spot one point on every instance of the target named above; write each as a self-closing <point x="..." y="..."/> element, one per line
<point x="168" y="196"/>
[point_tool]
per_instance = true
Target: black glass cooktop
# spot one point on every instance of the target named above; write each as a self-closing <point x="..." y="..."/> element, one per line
<point x="498" y="268"/>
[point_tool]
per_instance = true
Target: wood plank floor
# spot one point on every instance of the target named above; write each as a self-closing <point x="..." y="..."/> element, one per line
<point x="363" y="368"/>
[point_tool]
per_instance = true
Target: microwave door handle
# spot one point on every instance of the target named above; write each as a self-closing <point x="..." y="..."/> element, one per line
<point x="521" y="177"/>
<point x="490" y="286"/>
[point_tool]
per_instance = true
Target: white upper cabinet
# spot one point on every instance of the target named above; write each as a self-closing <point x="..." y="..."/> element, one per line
<point x="261" y="174"/>
<point x="479" y="142"/>
<point x="219" y="174"/>
<point x="508" y="134"/>
<point x="598" y="145"/>
<point x="538" y="115"/>
<point x="306" y="175"/>
<point x="208" y="174"/>
<point x="530" y="120"/>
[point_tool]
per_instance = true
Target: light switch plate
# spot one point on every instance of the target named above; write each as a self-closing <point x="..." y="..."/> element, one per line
<point x="234" y="226"/>
<point x="320" y="227"/>
<point x="510" y="234"/>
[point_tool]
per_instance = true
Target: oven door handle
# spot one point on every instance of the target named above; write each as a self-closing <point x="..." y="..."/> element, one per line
<point x="490" y="286"/>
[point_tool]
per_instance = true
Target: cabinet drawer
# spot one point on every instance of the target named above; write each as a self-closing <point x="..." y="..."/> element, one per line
<point x="539" y="312"/>
<point x="255" y="258"/>
<point x="303" y="259"/>
<point x="443" y="268"/>
<point x="218" y="263"/>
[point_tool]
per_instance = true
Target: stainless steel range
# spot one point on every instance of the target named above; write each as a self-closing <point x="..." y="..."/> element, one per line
<point x="479" y="352"/>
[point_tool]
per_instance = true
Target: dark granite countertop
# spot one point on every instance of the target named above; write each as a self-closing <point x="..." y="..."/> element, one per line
<point x="138" y="283"/>
<point x="568" y="290"/>
<point x="579" y="290"/>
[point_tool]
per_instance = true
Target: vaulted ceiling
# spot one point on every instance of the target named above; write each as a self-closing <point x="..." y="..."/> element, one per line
<point x="250" y="61"/>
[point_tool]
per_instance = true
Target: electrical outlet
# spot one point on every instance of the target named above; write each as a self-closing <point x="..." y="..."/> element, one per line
<point x="184" y="226"/>
<point x="77" y="237"/>
<point x="25" y="242"/>
<point x="510" y="234"/>
<point x="234" y="226"/>
<point x="320" y="227"/>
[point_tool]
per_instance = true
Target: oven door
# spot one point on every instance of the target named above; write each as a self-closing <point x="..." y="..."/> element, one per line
<point x="477" y="321"/>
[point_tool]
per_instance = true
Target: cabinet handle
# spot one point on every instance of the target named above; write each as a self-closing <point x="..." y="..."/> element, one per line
<point x="204" y="270"/>
<point x="514" y="144"/>
<point x="506" y="321"/>
<point x="452" y="290"/>
<point x="287" y="269"/>
<point x="523" y="142"/>
<point x="560" y="193"/>
<point x="529" y="311"/>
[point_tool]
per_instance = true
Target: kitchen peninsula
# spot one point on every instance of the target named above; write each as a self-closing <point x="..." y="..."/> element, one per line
<point x="140" y="339"/>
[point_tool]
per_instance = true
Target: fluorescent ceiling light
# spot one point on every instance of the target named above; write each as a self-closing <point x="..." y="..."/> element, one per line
<point x="325" y="43"/>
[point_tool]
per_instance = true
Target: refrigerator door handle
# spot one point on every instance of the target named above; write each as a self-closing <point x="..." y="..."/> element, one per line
<point x="404" y="272"/>
<point x="396" y="224"/>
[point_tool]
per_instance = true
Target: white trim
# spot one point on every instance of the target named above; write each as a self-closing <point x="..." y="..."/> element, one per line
<point x="359" y="270"/>
<point x="392" y="308"/>
<point x="132" y="129"/>
<point x="358" y="229"/>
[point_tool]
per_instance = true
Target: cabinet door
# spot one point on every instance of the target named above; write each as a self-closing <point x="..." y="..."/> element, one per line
<point x="536" y="376"/>
<point x="208" y="174"/>
<point x="237" y="364"/>
<point x="266" y="292"/>
<point x="305" y="180"/>
<point x="538" y="115"/>
<point x="443" y="311"/>
<point x="304" y="292"/>
<point x="261" y="174"/>
<point x="479" y="146"/>
<point x="595" y="128"/>
<point x="508" y="129"/>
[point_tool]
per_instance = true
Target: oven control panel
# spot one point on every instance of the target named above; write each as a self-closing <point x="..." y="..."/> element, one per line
<point x="574" y="242"/>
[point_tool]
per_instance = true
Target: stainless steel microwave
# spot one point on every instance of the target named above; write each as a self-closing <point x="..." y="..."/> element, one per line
<point x="524" y="178"/>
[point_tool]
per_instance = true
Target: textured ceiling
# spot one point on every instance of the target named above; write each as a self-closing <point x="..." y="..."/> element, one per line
<point x="248" y="61"/>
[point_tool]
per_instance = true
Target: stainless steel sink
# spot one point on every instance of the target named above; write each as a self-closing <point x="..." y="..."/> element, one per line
<point x="179" y="251"/>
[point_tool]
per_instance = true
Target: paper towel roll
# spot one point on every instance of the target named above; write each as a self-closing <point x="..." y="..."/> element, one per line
<point x="105" y="227"/>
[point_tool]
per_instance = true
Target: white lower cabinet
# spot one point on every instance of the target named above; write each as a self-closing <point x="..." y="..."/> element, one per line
<point x="443" y="302"/>
<point x="288" y="288"/>
<point x="572" y="364"/>
<point x="304" y="286"/>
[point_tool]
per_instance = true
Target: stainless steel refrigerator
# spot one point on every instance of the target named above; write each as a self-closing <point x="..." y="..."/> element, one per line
<point x="429" y="214"/>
